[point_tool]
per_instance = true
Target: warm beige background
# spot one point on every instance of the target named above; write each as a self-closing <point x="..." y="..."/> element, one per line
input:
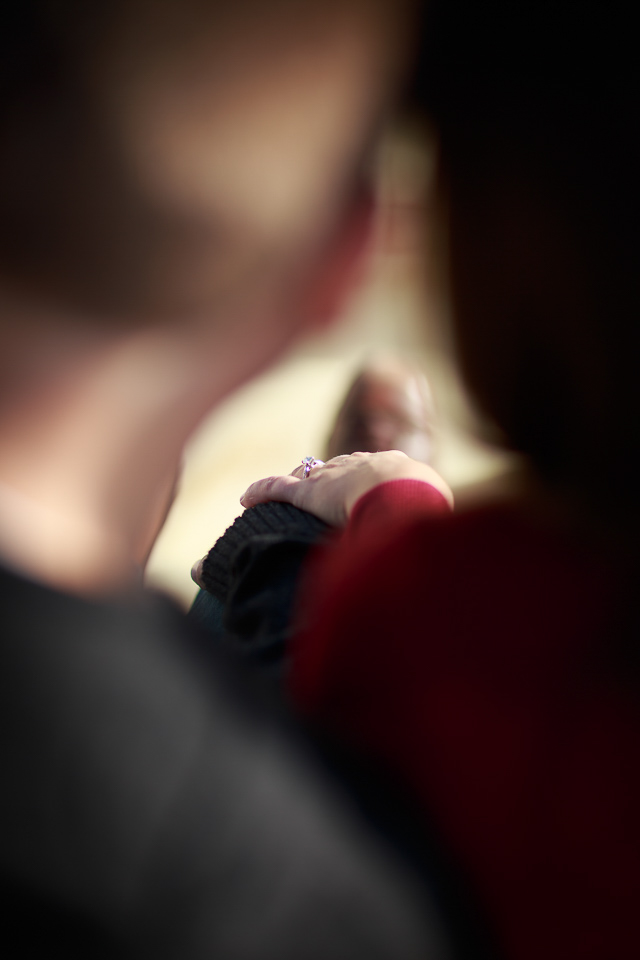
<point x="270" y="424"/>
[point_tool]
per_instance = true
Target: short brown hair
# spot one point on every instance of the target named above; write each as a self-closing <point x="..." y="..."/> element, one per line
<point x="74" y="226"/>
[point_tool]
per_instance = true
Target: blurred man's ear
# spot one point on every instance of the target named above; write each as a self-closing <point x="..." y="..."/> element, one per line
<point x="343" y="266"/>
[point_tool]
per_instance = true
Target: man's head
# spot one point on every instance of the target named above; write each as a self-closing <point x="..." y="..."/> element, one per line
<point x="165" y="158"/>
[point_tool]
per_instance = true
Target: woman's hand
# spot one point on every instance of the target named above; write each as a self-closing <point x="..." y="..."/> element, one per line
<point x="331" y="489"/>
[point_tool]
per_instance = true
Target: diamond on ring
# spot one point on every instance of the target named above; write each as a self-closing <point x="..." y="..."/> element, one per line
<point x="309" y="463"/>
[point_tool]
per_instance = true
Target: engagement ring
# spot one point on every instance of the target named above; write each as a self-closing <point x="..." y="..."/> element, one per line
<point x="309" y="463"/>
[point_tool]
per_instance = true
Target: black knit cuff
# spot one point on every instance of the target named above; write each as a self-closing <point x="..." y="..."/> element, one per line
<point x="269" y="523"/>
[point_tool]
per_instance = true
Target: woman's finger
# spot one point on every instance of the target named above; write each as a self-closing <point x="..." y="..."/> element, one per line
<point x="271" y="488"/>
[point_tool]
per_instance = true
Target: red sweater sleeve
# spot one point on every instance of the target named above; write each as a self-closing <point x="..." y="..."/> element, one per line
<point x="389" y="504"/>
<point x="338" y="569"/>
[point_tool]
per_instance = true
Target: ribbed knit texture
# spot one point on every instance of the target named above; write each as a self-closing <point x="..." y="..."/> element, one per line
<point x="282" y="521"/>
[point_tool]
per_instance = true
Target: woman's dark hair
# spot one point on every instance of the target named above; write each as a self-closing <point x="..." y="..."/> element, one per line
<point x="535" y="106"/>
